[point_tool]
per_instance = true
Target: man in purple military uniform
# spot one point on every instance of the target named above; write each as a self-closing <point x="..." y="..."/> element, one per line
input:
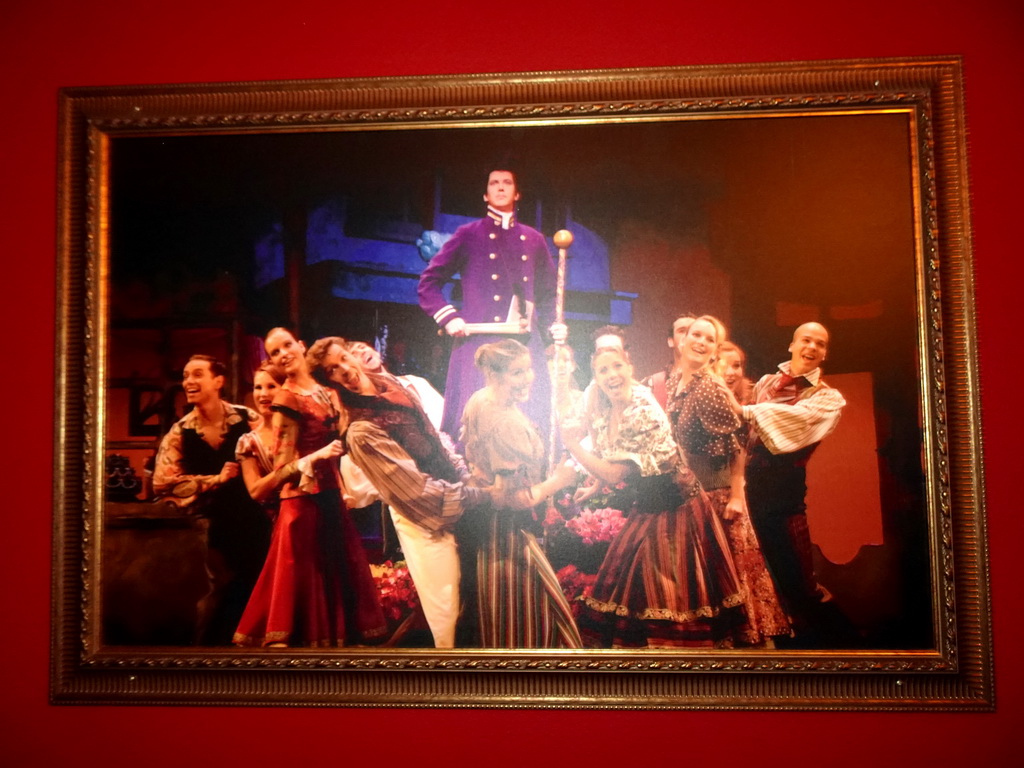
<point x="508" y="288"/>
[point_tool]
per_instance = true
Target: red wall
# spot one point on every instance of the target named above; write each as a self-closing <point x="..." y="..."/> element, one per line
<point x="46" y="44"/>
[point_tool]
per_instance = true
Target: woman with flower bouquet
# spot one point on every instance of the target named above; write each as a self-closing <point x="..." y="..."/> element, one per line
<point x="668" y="579"/>
<point x="578" y="535"/>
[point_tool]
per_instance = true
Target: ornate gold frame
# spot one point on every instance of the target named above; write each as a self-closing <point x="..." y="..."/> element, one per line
<point x="955" y="674"/>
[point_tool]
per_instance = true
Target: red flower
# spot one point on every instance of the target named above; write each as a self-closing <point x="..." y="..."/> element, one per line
<point x="397" y="590"/>
<point x="575" y="583"/>
<point x="593" y="525"/>
<point x="553" y="518"/>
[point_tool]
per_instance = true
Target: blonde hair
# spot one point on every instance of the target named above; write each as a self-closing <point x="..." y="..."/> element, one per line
<point x="496" y="358"/>
<point x="720" y="336"/>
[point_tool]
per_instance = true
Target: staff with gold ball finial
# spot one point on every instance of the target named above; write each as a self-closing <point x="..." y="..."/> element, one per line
<point x="562" y="239"/>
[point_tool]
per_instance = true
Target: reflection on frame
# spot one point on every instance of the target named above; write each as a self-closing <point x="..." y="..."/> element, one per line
<point x="644" y="385"/>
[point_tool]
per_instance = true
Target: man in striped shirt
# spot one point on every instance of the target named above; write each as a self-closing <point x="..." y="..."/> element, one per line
<point x="793" y="411"/>
<point x="406" y="465"/>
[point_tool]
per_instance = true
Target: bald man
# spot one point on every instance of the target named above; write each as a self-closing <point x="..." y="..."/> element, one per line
<point x="792" y="412"/>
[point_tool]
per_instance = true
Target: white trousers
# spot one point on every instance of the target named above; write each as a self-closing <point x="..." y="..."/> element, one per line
<point x="433" y="561"/>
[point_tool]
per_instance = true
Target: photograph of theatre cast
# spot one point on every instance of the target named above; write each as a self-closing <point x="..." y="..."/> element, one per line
<point x="389" y="462"/>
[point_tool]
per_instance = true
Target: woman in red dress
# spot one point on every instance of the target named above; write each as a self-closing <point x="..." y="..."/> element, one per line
<point x="254" y="451"/>
<point x="316" y="588"/>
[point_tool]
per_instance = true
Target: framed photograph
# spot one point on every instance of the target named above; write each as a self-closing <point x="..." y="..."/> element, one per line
<point x="813" y="214"/>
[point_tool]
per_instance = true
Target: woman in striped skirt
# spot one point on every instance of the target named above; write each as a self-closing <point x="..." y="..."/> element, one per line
<point x="516" y="601"/>
<point x="668" y="580"/>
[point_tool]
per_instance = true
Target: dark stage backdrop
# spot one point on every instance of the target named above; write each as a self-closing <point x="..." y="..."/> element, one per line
<point x="50" y="43"/>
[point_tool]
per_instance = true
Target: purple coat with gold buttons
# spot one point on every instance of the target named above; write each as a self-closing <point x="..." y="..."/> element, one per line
<point x="494" y="265"/>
